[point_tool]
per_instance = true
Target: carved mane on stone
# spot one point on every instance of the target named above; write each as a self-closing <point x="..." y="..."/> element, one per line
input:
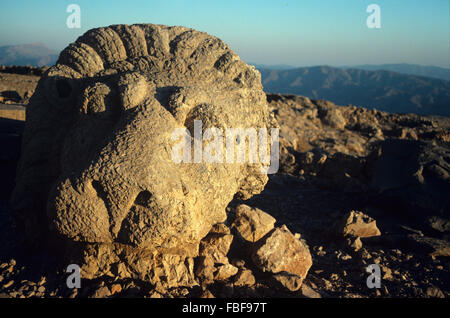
<point x="96" y="166"/>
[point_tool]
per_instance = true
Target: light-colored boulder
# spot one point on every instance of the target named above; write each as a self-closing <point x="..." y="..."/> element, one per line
<point x="282" y="252"/>
<point x="225" y="271"/>
<point x="252" y="223"/>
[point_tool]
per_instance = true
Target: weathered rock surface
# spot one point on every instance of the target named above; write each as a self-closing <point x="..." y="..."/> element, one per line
<point x="308" y="292"/>
<point x="97" y="165"/>
<point x="356" y="223"/>
<point x="16" y="88"/>
<point x="280" y="252"/>
<point x="216" y="246"/>
<point x="244" y="278"/>
<point x="225" y="271"/>
<point x="439" y="224"/>
<point x="290" y="281"/>
<point x="252" y="223"/>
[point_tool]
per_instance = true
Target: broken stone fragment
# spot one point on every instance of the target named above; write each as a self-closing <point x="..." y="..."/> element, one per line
<point x="280" y="251"/>
<point x="434" y="292"/>
<point x="439" y="224"/>
<point x="354" y="242"/>
<point x="225" y="271"/>
<point x="387" y="273"/>
<point x="204" y="269"/>
<point x="289" y="281"/>
<point x="308" y="292"/>
<point x="101" y="292"/>
<point x="170" y="270"/>
<point x="244" y="278"/>
<point x="252" y="223"/>
<point x="216" y="246"/>
<point x="357" y="223"/>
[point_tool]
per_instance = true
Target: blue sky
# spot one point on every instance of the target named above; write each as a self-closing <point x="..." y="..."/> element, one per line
<point x="297" y="32"/>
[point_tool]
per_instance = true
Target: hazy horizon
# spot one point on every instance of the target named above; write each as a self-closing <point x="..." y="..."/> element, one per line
<point x="341" y="66"/>
<point x="298" y="33"/>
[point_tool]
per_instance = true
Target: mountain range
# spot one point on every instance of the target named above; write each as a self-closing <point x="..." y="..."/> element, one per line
<point x="410" y="69"/>
<point x="384" y="90"/>
<point x="403" y="68"/>
<point x="397" y="88"/>
<point x="34" y="54"/>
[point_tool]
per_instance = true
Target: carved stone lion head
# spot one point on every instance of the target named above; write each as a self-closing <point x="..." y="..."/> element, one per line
<point x="96" y="162"/>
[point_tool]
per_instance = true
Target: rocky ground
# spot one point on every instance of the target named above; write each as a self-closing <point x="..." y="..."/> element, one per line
<point x="360" y="186"/>
<point x="17" y="83"/>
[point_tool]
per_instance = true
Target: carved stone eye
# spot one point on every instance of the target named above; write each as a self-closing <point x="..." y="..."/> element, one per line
<point x="98" y="99"/>
<point x="60" y="91"/>
<point x="63" y="88"/>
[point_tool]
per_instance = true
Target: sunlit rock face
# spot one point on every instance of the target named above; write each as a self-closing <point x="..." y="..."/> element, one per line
<point x="97" y="164"/>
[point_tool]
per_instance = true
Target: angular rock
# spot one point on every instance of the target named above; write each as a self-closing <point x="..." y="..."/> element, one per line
<point x="308" y="292"/>
<point x="387" y="273"/>
<point x="216" y="246"/>
<point x="116" y="288"/>
<point x="354" y="242"/>
<point x="289" y="281"/>
<point x="8" y="284"/>
<point x="155" y="294"/>
<point x="434" y="292"/>
<point x="225" y="271"/>
<point x="357" y="223"/>
<point x="204" y="269"/>
<point x="282" y="252"/>
<point x="252" y="223"/>
<point x="170" y="270"/>
<point x="439" y="224"/>
<point x="101" y="292"/>
<point x="244" y="278"/>
<point x="334" y="118"/>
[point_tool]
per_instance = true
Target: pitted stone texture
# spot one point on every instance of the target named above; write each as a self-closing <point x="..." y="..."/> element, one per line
<point x="252" y="223"/>
<point x="216" y="246"/>
<point x="121" y="261"/>
<point x="96" y="163"/>
<point x="358" y="224"/>
<point x="282" y="252"/>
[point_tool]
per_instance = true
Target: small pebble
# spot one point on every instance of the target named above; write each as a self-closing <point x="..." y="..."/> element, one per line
<point x="8" y="284"/>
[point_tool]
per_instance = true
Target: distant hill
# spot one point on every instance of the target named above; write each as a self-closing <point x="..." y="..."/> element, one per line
<point x="411" y="69"/>
<point x="34" y="54"/>
<point x="383" y="90"/>
<point x="273" y="67"/>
